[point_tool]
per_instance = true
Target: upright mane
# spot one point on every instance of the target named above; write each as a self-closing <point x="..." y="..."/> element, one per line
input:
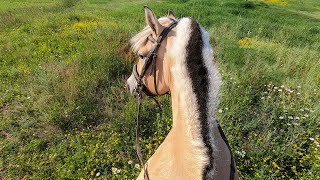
<point x="199" y="80"/>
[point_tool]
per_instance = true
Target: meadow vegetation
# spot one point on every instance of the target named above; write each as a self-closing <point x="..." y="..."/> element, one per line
<point x="65" y="114"/>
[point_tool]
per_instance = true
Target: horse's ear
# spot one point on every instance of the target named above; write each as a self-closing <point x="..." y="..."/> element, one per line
<point x="170" y="14"/>
<point x="152" y="21"/>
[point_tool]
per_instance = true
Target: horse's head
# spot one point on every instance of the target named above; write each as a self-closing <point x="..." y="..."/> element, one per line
<point x="151" y="74"/>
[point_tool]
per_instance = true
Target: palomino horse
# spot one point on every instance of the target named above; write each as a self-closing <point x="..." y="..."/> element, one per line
<point x="175" y="56"/>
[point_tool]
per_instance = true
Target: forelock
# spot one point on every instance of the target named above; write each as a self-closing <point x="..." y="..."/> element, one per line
<point x="141" y="38"/>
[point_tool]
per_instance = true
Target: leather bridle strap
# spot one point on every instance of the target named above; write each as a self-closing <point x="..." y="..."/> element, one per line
<point x="144" y="89"/>
<point x="232" y="167"/>
<point x="138" y="147"/>
<point x="151" y="58"/>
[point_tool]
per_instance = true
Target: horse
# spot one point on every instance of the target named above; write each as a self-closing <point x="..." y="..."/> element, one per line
<point x="175" y="56"/>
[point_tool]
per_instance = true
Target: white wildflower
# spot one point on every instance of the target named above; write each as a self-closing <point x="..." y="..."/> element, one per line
<point x="279" y="90"/>
<point x="220" y="110"/>
<point x="281" y="117"/>
<point x="226" y="108"/>
<point x="290" y="117"/>
<point x="297" y="118"/>
<point x="282" y="86"/>
<point x="137" y="166"/>
<point x="295" y="124"/>
<point x="312" y="139"/>
<point x="114" y="170"/>
<point x="98" y="174"/>
<point x="129" y="162"/>
<point x="298" y="93"/>
<point x="306" y="115"/>
<point x="241" y="153"/>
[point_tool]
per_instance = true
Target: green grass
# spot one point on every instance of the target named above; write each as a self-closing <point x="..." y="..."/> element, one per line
<point x="64" y="112"/>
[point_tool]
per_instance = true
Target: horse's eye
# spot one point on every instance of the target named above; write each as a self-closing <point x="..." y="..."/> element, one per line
<point x="141" y="56"/>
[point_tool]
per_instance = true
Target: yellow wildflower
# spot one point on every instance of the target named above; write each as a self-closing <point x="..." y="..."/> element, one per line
<point x="245" y="42"/>
<point x="275" y="165"/>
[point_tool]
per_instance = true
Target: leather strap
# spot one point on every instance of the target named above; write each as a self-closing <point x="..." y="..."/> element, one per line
<point x="232" y="167"/>
<point x="151" y="58"/>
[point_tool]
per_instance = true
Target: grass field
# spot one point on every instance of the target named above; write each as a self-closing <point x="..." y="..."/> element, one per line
<point x="65" y="114"/>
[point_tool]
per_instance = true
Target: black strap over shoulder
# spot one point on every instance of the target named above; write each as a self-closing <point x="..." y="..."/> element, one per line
<point x="232" y="167"/>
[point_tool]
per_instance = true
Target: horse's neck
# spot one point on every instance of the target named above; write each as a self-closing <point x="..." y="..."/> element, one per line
<point x="186" y="121"/>
<point x="194" y="86"/>
<point x="186" y="136"/>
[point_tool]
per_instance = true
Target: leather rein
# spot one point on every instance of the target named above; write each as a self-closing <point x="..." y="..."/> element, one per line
<point x="141" y="88"/>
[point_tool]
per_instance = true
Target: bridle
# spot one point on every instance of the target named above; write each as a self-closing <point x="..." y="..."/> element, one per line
<point x="150" y="59"/>
<point x="141" y="87"/>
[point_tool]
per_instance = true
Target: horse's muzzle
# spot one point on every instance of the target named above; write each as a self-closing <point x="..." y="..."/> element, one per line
<point x="132" y="85"/>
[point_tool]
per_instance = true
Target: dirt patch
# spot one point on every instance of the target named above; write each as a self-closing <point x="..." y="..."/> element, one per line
<point x="66" y="71"/>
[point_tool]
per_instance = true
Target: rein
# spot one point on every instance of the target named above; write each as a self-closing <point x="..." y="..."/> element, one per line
<point x="141" y="88"/>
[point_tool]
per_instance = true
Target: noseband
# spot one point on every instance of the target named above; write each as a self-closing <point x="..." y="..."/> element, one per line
<point x="141" y="87"/>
